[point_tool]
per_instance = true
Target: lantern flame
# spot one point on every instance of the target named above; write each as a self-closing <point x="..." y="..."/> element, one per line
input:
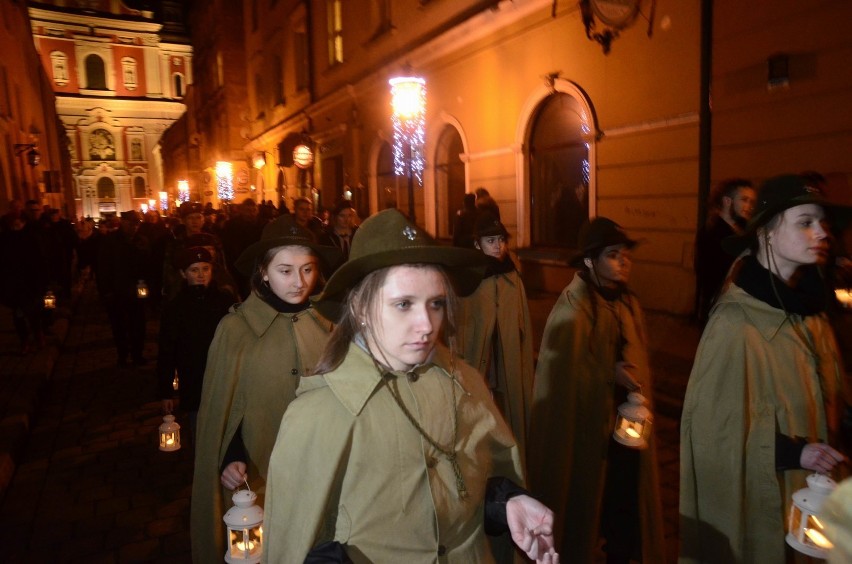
<point x="818" y="539"/>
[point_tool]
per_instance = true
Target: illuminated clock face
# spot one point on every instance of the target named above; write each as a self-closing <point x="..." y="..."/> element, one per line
<point x="101" y="145"/>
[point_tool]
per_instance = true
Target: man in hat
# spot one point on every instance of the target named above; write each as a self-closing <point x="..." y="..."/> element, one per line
<point x="187" y="327"/>
<point x="192" y="216"/>
<point x="342" y="228"/>
<point x="120" y="269"/>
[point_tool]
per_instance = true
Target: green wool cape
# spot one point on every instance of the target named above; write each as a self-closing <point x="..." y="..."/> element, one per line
<point x="349" y="466"/>
<point x="253" y="368"/>
<point x="573" y="417"/>
<point x="754" y="376"/>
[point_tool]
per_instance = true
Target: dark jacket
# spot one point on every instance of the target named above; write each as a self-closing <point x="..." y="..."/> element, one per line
<point x="187" y="327"/>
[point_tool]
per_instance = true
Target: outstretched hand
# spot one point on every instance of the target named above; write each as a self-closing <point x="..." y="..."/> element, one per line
<point x="531" y="527"/>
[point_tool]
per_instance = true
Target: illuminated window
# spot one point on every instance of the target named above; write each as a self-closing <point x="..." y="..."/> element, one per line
<point x="335" y="32"/>
<point x="59" y="62"/>
<point x="128" y="71"/>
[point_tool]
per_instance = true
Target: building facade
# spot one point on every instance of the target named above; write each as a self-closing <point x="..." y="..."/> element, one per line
<point x="119" y="76"/>
<point x="34" y="161"/>
<point x="630" y="109"/>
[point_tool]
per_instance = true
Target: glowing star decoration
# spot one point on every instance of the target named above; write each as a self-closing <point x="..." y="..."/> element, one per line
<point x="408" y="100"/>
<point x="225" y="181"/>
<point x="183" y="190"/>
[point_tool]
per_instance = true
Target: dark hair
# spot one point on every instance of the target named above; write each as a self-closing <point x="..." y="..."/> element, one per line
<point x="727" y="189"/>
<point x="360" y="300"/>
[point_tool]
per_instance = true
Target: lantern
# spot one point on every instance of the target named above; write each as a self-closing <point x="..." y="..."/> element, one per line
<point x="175" y="382"/>
<point x="844" y="296"/>
<point x="244" y="522"/>
<point x="805" y="530"/>
<point x="633" y="423"/>
<point x="50" y="300"/>
<point x="169" y="434"/>
<point x="141" y="289"/>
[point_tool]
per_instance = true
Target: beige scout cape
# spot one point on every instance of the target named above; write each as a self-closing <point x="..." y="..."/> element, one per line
<point x="253" y="368"/>
<point x="753" y="377"/>
<point x="573" y="417"/>
<point x="349" y="466"/>
<point x="500" y="303"/>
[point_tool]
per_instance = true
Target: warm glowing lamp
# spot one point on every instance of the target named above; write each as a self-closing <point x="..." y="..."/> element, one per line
<point x="844" y="296"/>
<point x="141" y="289"/>
<point x="633" y="423"/>
<point x="183" y="190"/>
<point x="169" y="434"/>
<point x="408" y="102"/>
<point x="259" y="160"/>
<point x="805" y="530"/>
<point x="244" y="522"/>
<point x="303" y="157"/>
<point x="164" y="200"/>
<point x="50" y="300"/>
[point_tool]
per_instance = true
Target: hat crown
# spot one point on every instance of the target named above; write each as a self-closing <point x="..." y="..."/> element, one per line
<point x="285" y="227"/>
<point x="388" y="231"/>
<point x="489" y="224"/>
<point x="783" y="192"/>
<point x="602" y="232"/>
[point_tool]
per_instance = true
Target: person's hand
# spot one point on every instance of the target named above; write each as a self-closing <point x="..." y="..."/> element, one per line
<point x="233" y="475"/>
<point x="623" y="377"/>
<point x="168" y="406"/>
<point x="820" y="457"/>
<point x="531" y="527"/>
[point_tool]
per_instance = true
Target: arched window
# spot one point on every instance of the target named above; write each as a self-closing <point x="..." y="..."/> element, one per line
<point x="177" y="79"/>
<point x="559" y="171"/>
<point x="139" y="187"/>
<point x="449" y="179"/>
<point x="128" y="72"/>
<point x="95" y="73"/>
<point x="386" y="181"/>
<point x="106" y="188"/>
<point x="59" y="62"/>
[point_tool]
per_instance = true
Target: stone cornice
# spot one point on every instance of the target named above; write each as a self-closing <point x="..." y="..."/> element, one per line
<point x="87" y="21"/>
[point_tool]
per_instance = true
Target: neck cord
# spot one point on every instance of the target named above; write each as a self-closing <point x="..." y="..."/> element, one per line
<point x="449" y="453"/>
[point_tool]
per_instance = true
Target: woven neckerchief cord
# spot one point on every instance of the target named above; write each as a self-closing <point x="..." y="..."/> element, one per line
<point x="449" y="453"/>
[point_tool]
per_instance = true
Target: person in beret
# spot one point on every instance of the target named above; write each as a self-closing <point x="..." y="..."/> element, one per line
<point x="593" y="353"/>
<point x="764" y="400"/>
<point x="259" y="352"/>
<point x="393" y="451"/>
<point x="187" y="326"/>
<point x="495" y="332"/>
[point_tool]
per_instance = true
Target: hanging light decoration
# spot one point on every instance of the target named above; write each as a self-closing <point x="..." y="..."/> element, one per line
<point x="244" y="522"/>
<point x="633" y="423"/>
<point x="183" y="190"/>
<point x="805" y="530"/>
<point x="303" y="157"/>
<point x="408" y="101"/>
<point x="225" y="181"/>
<point x="169" y="434"/>
<point x="164" y="200"/>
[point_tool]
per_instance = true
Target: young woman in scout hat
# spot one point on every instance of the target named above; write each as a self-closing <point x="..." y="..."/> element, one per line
<point x="764" y="397"/>
<point x="495" y="332"/>
<point x="187" y="326"/>
<point x="593" y="353"/>
<point x="259" y="353"/>
<point x="394" y="451"/>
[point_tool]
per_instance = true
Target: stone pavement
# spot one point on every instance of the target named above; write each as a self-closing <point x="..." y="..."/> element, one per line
<point x="91" y="484"/>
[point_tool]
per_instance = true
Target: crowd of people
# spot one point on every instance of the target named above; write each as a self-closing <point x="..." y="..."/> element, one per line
<point x="380" y="393"/>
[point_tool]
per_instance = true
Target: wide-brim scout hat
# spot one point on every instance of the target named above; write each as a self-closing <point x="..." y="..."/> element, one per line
<point x="389" y="239"/>
<point x="281" y="232"/>
<point x="489" y="225"/>
<point x="777" y="195"/>
<point x="598" y="234"/>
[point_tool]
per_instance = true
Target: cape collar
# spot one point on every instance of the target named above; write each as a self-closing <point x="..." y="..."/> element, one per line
<point x="260" y="315"/>
<point x="765" y="318"/>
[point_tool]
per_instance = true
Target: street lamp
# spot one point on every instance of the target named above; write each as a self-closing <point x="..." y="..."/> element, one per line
<point x="408" y="101"/>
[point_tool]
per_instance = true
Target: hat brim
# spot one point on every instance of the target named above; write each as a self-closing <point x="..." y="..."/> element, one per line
<point x="840" y="217"/>
<point x="576" y="261"/>
<point x="247" y="263"/>
<point x="464" y="267"/>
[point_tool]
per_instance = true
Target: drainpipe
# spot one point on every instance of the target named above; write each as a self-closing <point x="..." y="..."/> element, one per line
<point x="704" y="113"/>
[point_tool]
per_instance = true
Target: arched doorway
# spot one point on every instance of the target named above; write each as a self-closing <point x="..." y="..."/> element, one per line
<point x="450" y="179"/>
<point x="559" y="171"/>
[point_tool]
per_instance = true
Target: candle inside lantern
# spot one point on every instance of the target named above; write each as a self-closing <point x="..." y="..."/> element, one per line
<point x="141" y="289"/>
<point x="633" y="433"/>
<point x="844" y="296"/>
